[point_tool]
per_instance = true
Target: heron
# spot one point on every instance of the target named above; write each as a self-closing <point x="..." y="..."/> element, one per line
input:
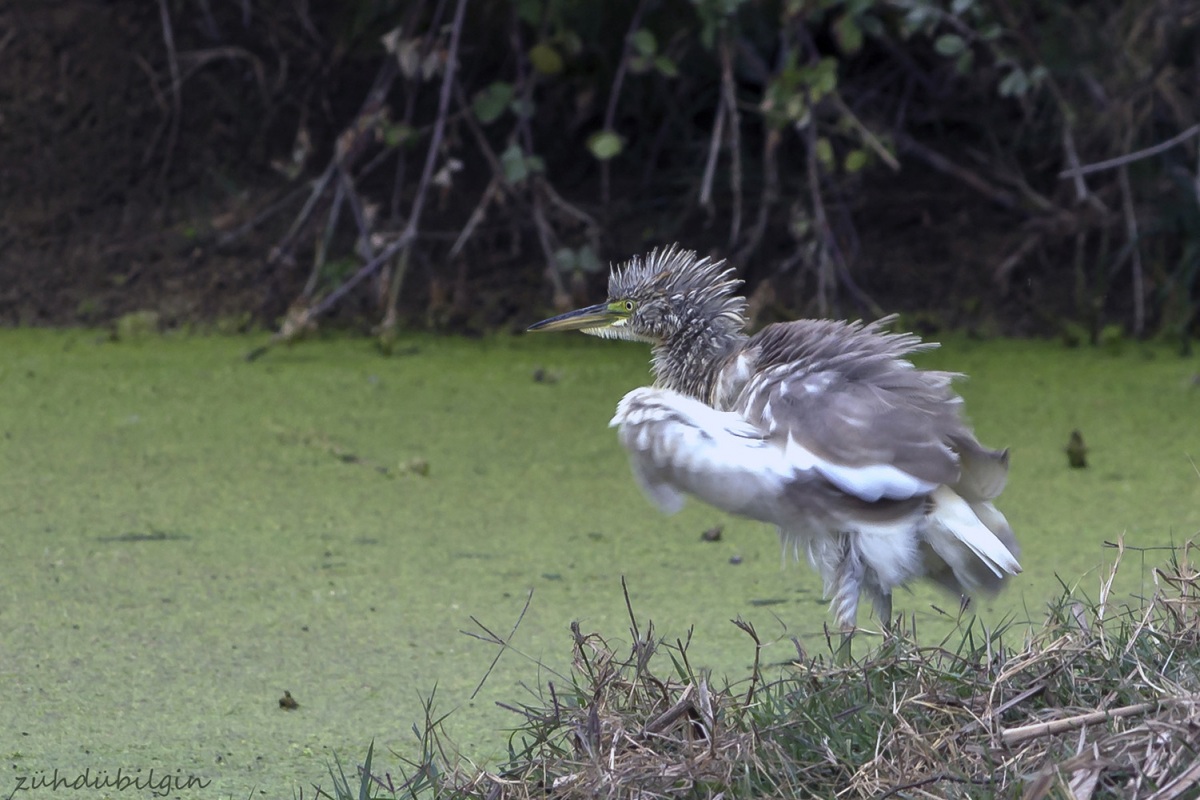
<point x="825" y="429"/>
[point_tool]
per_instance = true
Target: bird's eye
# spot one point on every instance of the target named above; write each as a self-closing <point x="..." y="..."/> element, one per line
<point x="629" y="305"/>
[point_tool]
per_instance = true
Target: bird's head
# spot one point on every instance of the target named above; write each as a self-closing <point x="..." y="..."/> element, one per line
<point x="659" y="297"/>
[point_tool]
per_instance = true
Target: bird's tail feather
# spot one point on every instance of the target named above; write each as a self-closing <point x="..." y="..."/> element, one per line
<point x="973" y="539"/>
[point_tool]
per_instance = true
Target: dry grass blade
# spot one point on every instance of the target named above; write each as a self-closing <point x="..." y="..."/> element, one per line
<point x="1025" y="732"/>
<point x="1109" y="708"/>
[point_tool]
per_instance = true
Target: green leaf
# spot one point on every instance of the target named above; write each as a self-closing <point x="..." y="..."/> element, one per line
<point x="518" y="165"/>
<point x="871" y="25"/>
<point x="565" y="259"/>
<point x="824" y="79"/>
<point x="584" y="259"/>
<point x="545" y="59"/>
<point x="605" y="145"/>
<point x="949" y="44"/>
<point x="644" y="42"/>
<point x="522" y="108"/>
<point x="569" y="42"/>
<point x="848" y="34"/>
<point x="964" y="62"/>
<point x="588" y="260"/>
<point x="825" y="152"/>
<point x="530" y="12"/>
<point x="1015" y="83"/>
<point x="516" y="169"/>
<point x="855" y="160"/>
<point x="666" y="67"/>
<point x="492" y="101"/>
<point x="919" y="18"/>
<point x="397" y="133"/>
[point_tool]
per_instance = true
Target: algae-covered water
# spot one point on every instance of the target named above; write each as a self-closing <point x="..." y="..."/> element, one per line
<point x="184" y="536"/>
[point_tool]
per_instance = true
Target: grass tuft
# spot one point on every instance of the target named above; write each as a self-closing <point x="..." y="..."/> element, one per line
<point x="1101" y="701"/>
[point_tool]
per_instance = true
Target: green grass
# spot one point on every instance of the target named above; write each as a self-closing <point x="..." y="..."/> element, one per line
<point x="1100" y="701"/>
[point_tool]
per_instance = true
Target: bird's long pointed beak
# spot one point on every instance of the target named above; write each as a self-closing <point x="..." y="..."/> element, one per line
<point x="597" y="316"/>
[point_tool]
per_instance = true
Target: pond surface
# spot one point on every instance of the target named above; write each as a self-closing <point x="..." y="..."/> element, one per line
<point x="185" y="536"/>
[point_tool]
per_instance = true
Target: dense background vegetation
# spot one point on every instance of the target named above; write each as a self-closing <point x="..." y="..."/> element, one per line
<point x="471" y="164"/>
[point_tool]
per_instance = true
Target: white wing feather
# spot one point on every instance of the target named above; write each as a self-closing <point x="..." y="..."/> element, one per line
<point x="679" y="444"/>
<point x="871" y="482"/>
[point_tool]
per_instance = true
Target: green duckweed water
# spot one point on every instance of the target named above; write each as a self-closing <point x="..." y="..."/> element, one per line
<point x="185" y="536"/>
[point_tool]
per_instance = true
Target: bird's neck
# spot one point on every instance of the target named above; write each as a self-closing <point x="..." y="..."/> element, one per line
<point x="691" y="364"/>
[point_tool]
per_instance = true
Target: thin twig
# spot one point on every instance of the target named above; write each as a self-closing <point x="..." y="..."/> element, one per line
<point x="159" y="100"/>
<point x="767" y="199"/>
<point x="710" y="165"/>
<point x="176" y="89"/>
<point x="943" y="164"/>
<point x="335" y="214"/>
<point x="547" y="240"/>
<point x="1129" y="158"/>
<point x="358" y="211"/>
<point x="865" y="134"/>
<point x="570" y="210"/>
<point x="504" y="643"/>
<point x="6" y="40"/>
<point x="1081" y="189"/>
<point x="410" y="105"/>
<point x="1030" y="242"/>
<point x="283" y="248"/>
<point x="477" y="216"/>
<point x="262" y="216"/>
<point x="198" y="59"/>
<point x="610" y="112"/>
<point x="1133" y="236"/>
<point x="729" y="99"/>
<point x="485" y="147"/>
<point x="820" y="221"/>
<point x="526" y="79"/>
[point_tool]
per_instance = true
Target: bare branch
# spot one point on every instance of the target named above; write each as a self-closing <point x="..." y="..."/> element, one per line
<point x="477" y="216"/>
<point x="710" y="166"/>
<point x="943" y="164"/>
<point x="1129" y="158"/>
<point x="176" y="88"/>
<point x="610" y="112"/>
<point x="729" y="98"/>
<point x="1132" y="234"/>
<point x="864" y="133"/>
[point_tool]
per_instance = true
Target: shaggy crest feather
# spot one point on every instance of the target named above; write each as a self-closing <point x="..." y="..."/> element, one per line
<point x="672" y="272"/>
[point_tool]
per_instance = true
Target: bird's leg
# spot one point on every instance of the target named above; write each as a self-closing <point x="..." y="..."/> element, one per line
<point x="847" y="583"/>
<point x="883" y="607"/>
<point x="842" y="656"/>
